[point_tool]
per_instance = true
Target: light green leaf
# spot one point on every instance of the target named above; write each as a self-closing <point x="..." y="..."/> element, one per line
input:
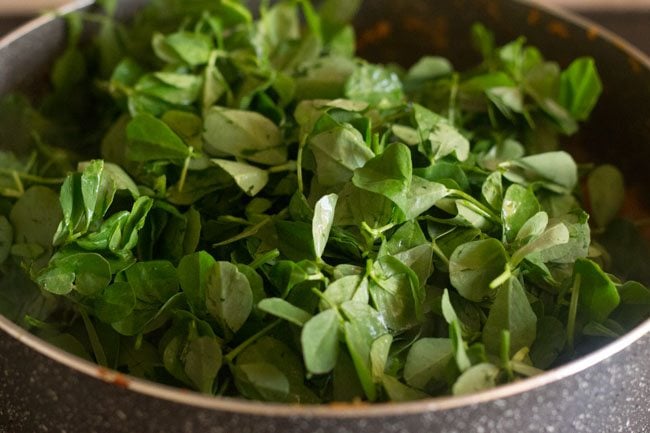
<point x="320" y="342"/>
<point x="248" y="177"/>
<point x="284" y="310"/>
<point x="322" y="222"/>
<point x="244" y="134"/>
<point x="427" y="361"/>
<point x="229" y="297"/>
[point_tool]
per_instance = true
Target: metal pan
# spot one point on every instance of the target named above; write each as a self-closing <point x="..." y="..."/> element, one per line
<point x="43" y="389"/>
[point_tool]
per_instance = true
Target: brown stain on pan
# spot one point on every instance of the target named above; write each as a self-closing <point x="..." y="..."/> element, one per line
<point x="494" y="10"/>
<point x="592" y="33"/>
<point x="113" y="377"/>
<point x="378" y="32"/>
<point x="436" y="30"/>
<point x="534" y="16"/>
<point x="559" y="29"/>
<point x="635" y="66"/>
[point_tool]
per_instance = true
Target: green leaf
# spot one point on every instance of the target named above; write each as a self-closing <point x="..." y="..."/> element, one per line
<point x="296" y="240"/>
<point x="6" y="238"/>
<point x="534" y="227"/>
<point x="229" y="298"/>
<point x="193" y="272"/>
<point x="87" y="273"/>
<point x="115" y="303"/>
<point x="348" y="288"/>
<point x="151" y="139"/>
<point x="388" y="174"/>
<point x="203" y="360"/>
<point x="580" y="87"/>
<point x="556" y="171"/>
<point x="606" y="194"/>
<point x="249" y="178"/>
<point x="579" y="240"/>
<point x="598" y="296"/>
<point x="549" y="343"/>
<point x="261" y="381"/>
<point x="117" y="175"/>
<point x="276" y="353"/>
<point x="338" y="152"/>
<point x="97" y="191"/>
<point x="550" y="238"/>
<point x="427" y="361"/>
<point x="397" y="391"/>
<point x="397" y="294"/>
<point x="512" y="312"/>
<point x="362" y="328"/>
<point x="492" y="190"/>
<point x="427" y="68"/>
<point x="320" y="342"/>
<point x="635" y="304"/>
<point x="243" y="134"/>
<point x="474" y="265"/>
<point x="477" y="378"/>
<point x="379" y="351"/>
<point x="356" y="206"/>
<point x="375" y="85"/>
<point x="284" y="310"/>
<point x="154" y="281"/>
<point x="322" y="222"/>
<point x="191" y="48"/>
<point x="460" y="351"/>
<point x="35" y="216"/>
<point x="421" y="196"/>
<point x="519" y="205"/>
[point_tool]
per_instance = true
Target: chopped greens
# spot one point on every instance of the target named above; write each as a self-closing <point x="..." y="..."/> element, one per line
<point x="250" y="210"/>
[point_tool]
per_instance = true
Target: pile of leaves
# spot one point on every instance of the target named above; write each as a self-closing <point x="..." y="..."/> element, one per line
<point x="241" y="206"/>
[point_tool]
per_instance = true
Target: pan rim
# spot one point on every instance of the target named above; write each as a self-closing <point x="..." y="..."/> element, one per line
<point x="338" y="410"/>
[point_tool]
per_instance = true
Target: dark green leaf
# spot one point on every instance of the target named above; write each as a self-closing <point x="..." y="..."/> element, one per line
<point x="151" y="139"/>
<point x="598" y="296"/>
<point x="510" y="311"/>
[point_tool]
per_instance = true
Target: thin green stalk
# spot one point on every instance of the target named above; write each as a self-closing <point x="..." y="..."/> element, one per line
<point x="230" y="357"/>
<point x="505" y="354"/>
<point x="573" y="311"/>
<point x="439" y="253"/>
<point x="453" y="96"/>
<point x="479" y="206"/>
<point x="299" y="167"/>
<point x="525" y="369"/>
<point x="98" y="349"/>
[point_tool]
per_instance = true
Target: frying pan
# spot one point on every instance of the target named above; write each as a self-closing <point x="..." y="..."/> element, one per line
<point x="43" y="389"/>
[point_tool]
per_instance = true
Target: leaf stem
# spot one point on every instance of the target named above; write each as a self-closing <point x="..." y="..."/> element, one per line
<point x="230" y="357"/>
<point x="505" y="276"/>
<point x="439" y="253"/>
<point x="31" y="177"/>
<point x="525" y="369"/>
<point x="453" y="96"/>
<point x="505" y="354"/>
<point x="479" y="206"/>
<point x="264" y="258"/>
<point x="287" y="166"/>
<point x="573" y="311"/>
<point x="186" y="166"/>
<point x="98" y="350"/>
<point x="299" y="167"/>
